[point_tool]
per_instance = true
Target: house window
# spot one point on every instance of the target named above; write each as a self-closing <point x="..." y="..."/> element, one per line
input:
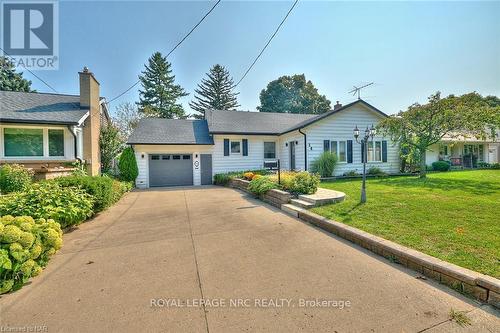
<point x="339" y="148"/>
<point x="56" y="142"/>
<point x="235" y="147"/>
<point x="269" y="149"/>
<point x="374" y="151"/>
<point x="23" y="142"/>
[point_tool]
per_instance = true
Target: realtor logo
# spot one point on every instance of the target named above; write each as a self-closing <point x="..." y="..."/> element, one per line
<point x="30" y="33"/>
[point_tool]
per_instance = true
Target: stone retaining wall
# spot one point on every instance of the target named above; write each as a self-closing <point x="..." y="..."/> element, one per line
<point x="481" y="287"/>
<point x="273" y="197"/>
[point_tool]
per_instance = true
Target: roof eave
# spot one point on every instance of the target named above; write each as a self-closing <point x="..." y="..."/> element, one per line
<point x="170" y="144"/>
<point x="244" y="133"/>
<point x="38" y="122"/>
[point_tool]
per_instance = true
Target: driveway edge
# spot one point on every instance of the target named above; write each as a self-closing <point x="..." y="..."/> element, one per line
<point x="481" y="287"/>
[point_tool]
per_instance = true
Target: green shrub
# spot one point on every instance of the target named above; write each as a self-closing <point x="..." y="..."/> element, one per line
<point x="101" y="188"/>
<point x="441" y="166"/>
<point x="120" y="188"/>
<point x="14" y="178"/>
<point x="351" y="173"/>
<point x="374" y="171"/>
<point x="325" y="164"/>
<point x="66" y="205"/>
<point x="128" y="165"/>
<point x="495" y="165"/>
<point x="25" y="248"/>
<point x="298" y="182"/>
<point x="261" y="185"/>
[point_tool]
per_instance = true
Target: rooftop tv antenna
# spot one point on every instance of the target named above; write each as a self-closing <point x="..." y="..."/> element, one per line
<point x="357" y="90"/>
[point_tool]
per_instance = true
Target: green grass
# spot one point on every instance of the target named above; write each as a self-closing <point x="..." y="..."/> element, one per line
<point x="454" y="216"/>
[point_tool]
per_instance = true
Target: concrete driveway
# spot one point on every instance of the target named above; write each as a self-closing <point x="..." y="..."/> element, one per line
<point x="144" y="265"/>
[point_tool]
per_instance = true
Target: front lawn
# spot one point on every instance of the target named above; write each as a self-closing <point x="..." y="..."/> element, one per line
<point x="454" y="216"/>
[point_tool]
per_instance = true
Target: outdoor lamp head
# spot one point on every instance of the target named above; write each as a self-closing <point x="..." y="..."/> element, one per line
<point x="372" y="131"/>
<point x="356" y="132"/>
<point x="367" y="132"/>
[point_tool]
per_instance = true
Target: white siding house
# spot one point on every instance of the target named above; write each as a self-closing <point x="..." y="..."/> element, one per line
<point x="190" y="152"/>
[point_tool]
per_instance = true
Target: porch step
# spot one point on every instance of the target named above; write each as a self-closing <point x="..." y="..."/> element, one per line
<point x="291" y="209"/>
<point x="323" y="196"/>
<point x="302" y="203"/>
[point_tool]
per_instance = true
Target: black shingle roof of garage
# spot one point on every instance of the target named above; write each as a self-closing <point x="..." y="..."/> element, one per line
<point x="156" y="131"/>
<point x="42" y="108"/>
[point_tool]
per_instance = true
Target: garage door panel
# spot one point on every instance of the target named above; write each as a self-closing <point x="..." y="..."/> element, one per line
<point x="170" y="170"/>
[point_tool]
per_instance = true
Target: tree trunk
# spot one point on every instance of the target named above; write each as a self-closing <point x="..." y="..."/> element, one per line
<point x="423" y="166"/>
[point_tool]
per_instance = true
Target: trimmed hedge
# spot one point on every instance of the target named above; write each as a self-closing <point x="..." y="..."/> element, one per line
<point x="441" y="166"/>
<point x="66" y="205"/>
<point x="14" y="178"/>
<point x="25" y="248"/>
<point x="101" y="188"/>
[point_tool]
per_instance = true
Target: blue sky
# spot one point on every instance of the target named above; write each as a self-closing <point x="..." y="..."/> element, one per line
<point x="409" y="49"/>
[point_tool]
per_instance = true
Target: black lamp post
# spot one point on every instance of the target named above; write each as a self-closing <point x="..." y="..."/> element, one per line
<point x="369" y="134"/>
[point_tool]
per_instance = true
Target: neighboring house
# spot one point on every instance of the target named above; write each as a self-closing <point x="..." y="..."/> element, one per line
<point x="47" y="132"/>
<point x="464" y="152"/>
<point x="189" y="152"/>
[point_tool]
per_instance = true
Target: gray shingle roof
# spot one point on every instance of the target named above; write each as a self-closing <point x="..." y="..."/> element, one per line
<point x="171" y="131"/>
<point x="243" y="122"/>
<point x="40" y="108"/>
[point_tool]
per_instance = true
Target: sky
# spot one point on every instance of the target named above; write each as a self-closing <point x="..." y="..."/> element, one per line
<point x="408" y="49"/>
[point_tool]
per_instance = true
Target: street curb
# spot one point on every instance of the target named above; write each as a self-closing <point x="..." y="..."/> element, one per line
<point x="482" y="287"/>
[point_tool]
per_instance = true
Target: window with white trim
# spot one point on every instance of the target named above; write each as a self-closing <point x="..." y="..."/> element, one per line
<point x="235" y="147"/>
<point x="269" y="150"/>
<point x="339" y="148"/>
<point x="32" y="142"/>
<point x="374" y="151"/>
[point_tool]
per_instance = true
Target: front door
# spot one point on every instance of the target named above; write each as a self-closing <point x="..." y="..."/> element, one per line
<point x="291" y="144"/>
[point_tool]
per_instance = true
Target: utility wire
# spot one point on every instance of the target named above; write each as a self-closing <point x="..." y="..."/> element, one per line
<point x="267" y="44"/>
<point x="171" y="51"/>
<point x="39" y="78"/>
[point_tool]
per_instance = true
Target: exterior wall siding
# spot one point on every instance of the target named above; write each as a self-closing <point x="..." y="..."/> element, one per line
<point x="238" y="162"/>
<point x="339" y="127"/>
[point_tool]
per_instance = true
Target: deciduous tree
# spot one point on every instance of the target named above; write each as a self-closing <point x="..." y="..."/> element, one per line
<point x="292" y="94"/>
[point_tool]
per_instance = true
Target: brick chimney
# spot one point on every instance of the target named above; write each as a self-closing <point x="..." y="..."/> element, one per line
<point x="337" y="106"/>
<point x="89" y="99"/>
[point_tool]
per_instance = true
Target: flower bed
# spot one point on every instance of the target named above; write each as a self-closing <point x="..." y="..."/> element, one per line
<point x="268" y="188"/>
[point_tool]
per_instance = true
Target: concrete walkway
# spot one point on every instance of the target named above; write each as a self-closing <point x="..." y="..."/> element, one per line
<point x="175" y="247"/>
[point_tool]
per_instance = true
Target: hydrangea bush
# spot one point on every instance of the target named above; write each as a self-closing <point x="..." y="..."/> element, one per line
<point x="66" y="205"/>
<point x="14" y="178"/>
<point x="25" y="248"/>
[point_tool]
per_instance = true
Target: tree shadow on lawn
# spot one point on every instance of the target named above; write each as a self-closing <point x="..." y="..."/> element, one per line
<point x="466" y="185"/>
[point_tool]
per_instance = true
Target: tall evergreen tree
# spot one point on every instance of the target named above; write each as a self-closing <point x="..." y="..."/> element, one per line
<point x="159" y="94"/>
<point x="216" y="92"/>
<point x="10" y="80"/>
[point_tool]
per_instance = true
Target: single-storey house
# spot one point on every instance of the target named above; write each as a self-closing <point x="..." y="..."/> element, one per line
<point x="465" y="151"/>
<point x="173" y="152"/>
<point x="47" y="132"/>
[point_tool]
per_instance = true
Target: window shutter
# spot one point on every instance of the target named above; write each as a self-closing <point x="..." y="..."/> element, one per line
<point x="362" y="151"/>
<point x="245" y="147"/>
<point x="226" y="147"/>
<point x="384" y="151"/>
<point x="349" y="151"/>
<point x="326" y="145"/>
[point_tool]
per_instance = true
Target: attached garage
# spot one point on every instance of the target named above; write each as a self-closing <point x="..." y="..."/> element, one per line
<point x="170" y="170"/>
<point x="172" y="152"/>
